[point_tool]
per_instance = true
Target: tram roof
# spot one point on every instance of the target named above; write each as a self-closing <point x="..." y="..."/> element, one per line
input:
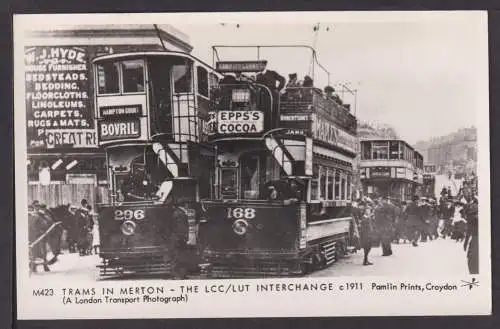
<point x="154" y="53"/>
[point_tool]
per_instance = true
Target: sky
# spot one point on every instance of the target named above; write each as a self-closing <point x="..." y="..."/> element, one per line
<point x="424" y="73"/>
<point x="423" y="77"/>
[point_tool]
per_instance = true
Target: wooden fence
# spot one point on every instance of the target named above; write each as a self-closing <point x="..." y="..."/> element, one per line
<point x="58" y="194"/>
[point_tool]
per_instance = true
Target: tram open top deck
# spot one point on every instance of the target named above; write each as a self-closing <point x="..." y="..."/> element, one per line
<point x="295" y="112"/>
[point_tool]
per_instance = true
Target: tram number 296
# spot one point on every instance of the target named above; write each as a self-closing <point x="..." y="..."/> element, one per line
<point x="128" y="214"/>
<point x="237" y="213"/>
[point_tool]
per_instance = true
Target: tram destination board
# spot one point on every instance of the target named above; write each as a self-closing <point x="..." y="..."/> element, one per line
<point x="119" y="111"/>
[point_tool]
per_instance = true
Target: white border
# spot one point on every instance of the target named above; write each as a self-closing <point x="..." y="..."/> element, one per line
<point x="366" y="303"/>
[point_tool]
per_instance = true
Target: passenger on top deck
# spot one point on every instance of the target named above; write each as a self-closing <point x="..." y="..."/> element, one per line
<point x="308" y="86"/>
<point x="292" y="81"/>
<point x="269" y="79"/>
<point x="229" y="79"/>
<point x="292" y="87"/>
<point x="329" y="90"/>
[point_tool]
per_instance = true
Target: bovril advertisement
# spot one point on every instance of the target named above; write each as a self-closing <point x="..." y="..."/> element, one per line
<point x="57" y="97"/>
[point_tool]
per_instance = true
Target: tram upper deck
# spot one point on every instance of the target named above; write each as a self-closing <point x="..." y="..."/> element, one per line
<point x="143" y="96"/>
<point x="247" y="106"/>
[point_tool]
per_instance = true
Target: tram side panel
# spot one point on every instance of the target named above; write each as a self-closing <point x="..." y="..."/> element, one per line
<point x="251" y="229"/>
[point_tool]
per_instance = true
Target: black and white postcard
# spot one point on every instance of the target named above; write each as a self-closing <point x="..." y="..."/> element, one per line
<point x="282" y="164"/>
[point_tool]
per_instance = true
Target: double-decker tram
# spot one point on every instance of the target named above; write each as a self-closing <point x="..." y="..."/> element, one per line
<point x="283" y="176"/>
<point x="152" y="111"/>
<point x="429" y="181"/>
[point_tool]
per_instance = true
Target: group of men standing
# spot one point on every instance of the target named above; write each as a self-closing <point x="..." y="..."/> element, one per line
<point x="78" y="223"/>
<point x="383" y="222"/>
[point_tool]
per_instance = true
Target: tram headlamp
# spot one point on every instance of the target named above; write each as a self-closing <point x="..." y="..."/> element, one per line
<point x="241" y="95"/>
<point x="240" y="227"/>
<point x="128" y="227"/>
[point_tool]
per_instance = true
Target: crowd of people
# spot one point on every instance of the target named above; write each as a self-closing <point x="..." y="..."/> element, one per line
<point x="382" y="221"/>
<point x="78" y="222"/>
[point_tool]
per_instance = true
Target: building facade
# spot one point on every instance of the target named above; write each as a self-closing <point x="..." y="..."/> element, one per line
<point x="390" y="168"/>
<point x="59" y="103"/>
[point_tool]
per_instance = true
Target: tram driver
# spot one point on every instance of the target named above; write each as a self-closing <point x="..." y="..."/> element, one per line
<point x="287" y="190"/>
<point x="137" y="185"/>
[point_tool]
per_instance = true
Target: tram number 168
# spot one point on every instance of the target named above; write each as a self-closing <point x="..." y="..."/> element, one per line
<point x="237" y="213"/>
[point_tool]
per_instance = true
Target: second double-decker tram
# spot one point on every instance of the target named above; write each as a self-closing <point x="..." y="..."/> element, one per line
<point x="284" y="166"/>
<point x="152" y="112"/>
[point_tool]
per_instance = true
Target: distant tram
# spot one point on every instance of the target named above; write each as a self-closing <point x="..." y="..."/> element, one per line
<point x="283" y="176"/>
<point x="429" y="181"/>
<point x="152" y="111"/>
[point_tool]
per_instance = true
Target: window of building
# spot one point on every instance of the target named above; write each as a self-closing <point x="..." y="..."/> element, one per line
<point x="108" y="78"/>
<point x="315" y="183"/>
<point x="349" y="182"/>
<point x="330" y="184"/>
<point x="343" y="187"/>
<point x="181" y="75"/>
<point x="322" y="182"/>
<point x="366" y="150"/>
<point x="380" y="150"/>
<point x="133" y="76"/>
<point x="337" y="186"/>
<point x="394" y="150"/>
<point x="202" y="76"/>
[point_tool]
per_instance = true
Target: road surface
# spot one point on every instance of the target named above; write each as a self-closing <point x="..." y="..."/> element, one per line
<point x="439" y="257"/>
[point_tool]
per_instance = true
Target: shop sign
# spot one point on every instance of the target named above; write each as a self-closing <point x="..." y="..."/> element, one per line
<point x="57" y="97"/>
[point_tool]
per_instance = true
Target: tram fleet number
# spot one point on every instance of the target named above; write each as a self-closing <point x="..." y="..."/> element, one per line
<point x="239" y="213"/>
<point x="128" y="214"/>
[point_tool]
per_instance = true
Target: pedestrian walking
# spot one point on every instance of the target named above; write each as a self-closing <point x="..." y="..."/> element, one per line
<point x="384" y="221"/>
<point x="413" y="217"/>
<point x="471" y="243"/>
<point x="366" y="230"/>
